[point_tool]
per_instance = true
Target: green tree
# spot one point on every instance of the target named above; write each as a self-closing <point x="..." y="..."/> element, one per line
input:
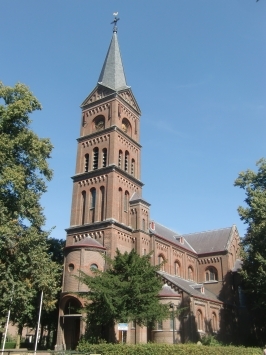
<point x="127" y="291"/>
<point x="49" y="319"/>
<point x="254" y="244"/>
<point x="25" y="266"/>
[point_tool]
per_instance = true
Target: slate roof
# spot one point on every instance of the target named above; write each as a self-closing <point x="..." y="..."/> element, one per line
<point x="87" y="242"/>
<point x="112" y="74"/>
<point x="198" y="243"/>
<point x="171" y="236"/>
<point x="209" y="241"/>
<point x="190" y="287"/>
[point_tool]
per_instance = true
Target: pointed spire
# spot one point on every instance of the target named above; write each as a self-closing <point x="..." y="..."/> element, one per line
<point x="112" y="74"/>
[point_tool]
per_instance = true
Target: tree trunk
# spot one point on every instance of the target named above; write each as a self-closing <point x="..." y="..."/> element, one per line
<point x="20" y="329"/>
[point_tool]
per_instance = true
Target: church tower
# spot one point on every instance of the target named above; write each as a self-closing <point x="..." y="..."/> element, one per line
<point x="108" y="211"/>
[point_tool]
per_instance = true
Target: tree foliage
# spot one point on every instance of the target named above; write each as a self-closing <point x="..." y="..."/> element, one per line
<point x="254" y="243"/>
<point x="127" y="291"/>
<point x="25" y="266"/>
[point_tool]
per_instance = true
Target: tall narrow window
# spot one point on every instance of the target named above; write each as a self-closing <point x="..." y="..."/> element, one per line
<point x="214" y="322"/>
<point x="126" y="160"/>
<point x="83" y="207"/>
<point x="95" y="158"/>
<point x="161" y="262"/>
<point x="92" y="204"/>
<point x="199" y="320"/>
<point x="177" y="268"/>
<point x="86" y="163"/>
<point x="190" y="273"/>
<point x="102" y="202"/>
<point x="133" y="167"/>
<point x="120" y="158"/>
<point x="104" y="157"/>
<point x="120" y="204"/>
<point x="126" y="201"/>
<point x="143" y="224"/>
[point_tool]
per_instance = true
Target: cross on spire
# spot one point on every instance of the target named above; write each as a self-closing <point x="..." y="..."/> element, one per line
<point x="115" y="21"/>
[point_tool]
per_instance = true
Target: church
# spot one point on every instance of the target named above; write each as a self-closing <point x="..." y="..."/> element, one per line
<point x="199" y="270"/>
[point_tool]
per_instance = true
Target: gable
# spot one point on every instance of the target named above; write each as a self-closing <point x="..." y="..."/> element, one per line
<point x="127" y="96"/>
<point x="97" y="94"/>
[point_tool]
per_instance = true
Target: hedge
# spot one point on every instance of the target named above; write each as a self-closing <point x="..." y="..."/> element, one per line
<point x="164" y="349"/>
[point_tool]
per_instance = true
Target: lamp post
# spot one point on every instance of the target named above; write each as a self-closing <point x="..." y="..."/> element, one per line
<point x="172" y="306"/>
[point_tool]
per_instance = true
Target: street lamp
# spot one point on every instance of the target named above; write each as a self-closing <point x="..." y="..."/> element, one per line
<point x="172" y="306"/>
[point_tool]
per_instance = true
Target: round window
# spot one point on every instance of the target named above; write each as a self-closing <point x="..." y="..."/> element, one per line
<point x="71" y="267"/>
<point x="94" y="267"/>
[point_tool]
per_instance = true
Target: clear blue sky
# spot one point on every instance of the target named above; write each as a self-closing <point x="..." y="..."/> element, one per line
<point x="197" y="69"/>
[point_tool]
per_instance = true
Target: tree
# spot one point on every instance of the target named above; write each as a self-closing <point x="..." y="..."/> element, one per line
<point x="127" y="291"/>
<point x="49" y="319"/>
<point x="254" y="244"/>
<point x="25" y="267"/>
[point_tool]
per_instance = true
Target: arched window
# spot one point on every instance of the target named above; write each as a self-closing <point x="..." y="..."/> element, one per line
<point x="86" y="163"/>
<point x="126" y="199"/>
<point x="126" y="161"/>
<point x="83" y="206"/>
<point x="92" y="204"/>
<point x="104" y="157"/>
<point x="102" y="190"/>
<point x="99" y="123"/>
<point x="133" y="167"/>
<point x="199" y="320"/>
<point x="72" y="306"/>
<point x="95" y="158"/>
<point x="126" y="126"/>
<point x="211" y="274"/>
<point x="190" y="273"/>
<point x="161" y="262"/>
<point x="177" y="268"/>
<point x="214" y="322"/>
<point x="120" y="158"/>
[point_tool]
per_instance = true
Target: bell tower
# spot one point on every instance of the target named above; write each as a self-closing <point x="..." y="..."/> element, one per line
<point x="107" y="204"/>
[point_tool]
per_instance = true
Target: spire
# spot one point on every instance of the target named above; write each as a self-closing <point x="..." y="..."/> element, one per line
<point x="112" y="74"/>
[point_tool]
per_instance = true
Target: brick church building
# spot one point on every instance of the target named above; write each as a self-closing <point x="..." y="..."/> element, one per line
<point x="109" y="212"/>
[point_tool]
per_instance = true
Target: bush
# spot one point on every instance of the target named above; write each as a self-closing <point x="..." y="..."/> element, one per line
<point x="210" y="340"/>
<point x="164" y="349"/>
<point x="9" y="345"/>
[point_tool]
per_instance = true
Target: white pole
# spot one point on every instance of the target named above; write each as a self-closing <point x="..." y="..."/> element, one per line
<point x="38" y="325"/>
<point x="7" y="322"/>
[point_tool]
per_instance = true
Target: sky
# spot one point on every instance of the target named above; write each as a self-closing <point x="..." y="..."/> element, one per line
<point x="197" y="69"/>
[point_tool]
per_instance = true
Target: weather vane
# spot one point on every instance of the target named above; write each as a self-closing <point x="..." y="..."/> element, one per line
<point x="115" y="21"/>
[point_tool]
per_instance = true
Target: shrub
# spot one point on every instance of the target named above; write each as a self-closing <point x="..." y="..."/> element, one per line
<point x="9" y="345"/>
<point x="164" y="349"/>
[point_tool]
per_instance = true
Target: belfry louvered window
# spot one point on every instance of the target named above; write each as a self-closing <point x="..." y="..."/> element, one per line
<point x="126" y="160"/>
<point x="95" y="158"/>
<point x="92" y="204"/>
<point x="133" y="167"/>
<point x="86" y="165"/>
<point x="120" y="158"/>
<point x="104" y="157"/>
<point x="83" y="207"/>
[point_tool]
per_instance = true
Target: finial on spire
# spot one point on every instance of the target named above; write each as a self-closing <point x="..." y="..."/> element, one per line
<point x="115" y="21"/>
